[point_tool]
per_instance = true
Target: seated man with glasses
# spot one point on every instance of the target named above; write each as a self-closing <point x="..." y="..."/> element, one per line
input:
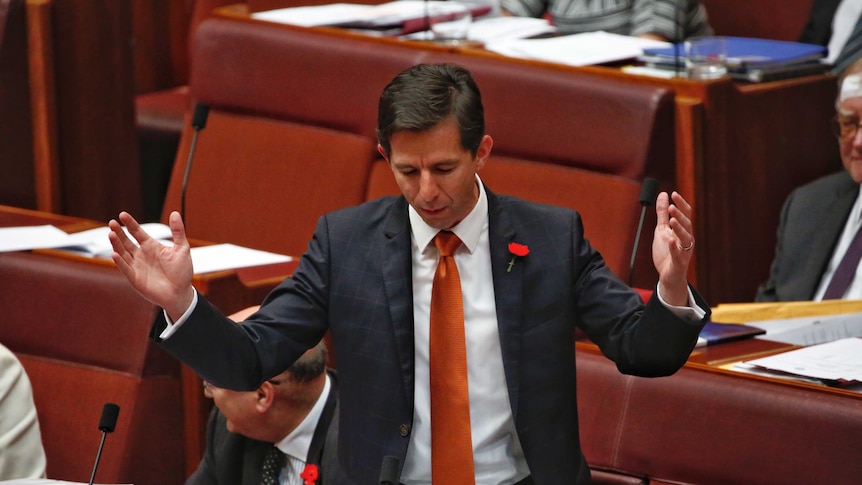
<point x="819" y="237"/>
<point x="283" y="432"/>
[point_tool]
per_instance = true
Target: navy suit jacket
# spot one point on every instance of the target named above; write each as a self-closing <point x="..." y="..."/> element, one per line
<point x="355" y="280"/>
<point x="233" y="459"/>
<point x="818" y="29"/>
<point x="812" y="220"/>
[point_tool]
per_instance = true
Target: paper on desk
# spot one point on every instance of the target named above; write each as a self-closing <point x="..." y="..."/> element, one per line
<point x="93" y="242"/>
<point x="811" y="330"/>
<point x="31" y="237"/>
<point x="494" y="29"/>
<point x="577" y="49"/>
<point x="313" y="16"/>
<point x="219" y="257"/>
<point x="840" y="361"/>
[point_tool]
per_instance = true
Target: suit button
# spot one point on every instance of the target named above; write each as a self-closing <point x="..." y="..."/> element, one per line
<point x="405" y="430"/>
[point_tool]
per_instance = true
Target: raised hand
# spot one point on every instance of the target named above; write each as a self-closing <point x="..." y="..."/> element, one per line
<point x="672" y="247"/>
<point x="161" y="274"/>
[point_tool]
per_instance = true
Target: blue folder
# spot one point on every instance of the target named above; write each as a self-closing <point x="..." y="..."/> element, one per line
<point x="749" y="53"/>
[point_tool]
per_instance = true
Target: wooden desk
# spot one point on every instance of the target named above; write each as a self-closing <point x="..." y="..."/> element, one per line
<point x="709" y="425"/>
<point x="741" y="148"/>
<point x="230" y="291"/>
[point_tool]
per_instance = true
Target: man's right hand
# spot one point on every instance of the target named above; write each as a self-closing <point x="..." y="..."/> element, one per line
<point x="161" y="274"/>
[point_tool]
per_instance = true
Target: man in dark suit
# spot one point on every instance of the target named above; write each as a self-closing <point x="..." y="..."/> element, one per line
<point x="836" y="24"/>
<point x="819" y="220"/>
<point x="528" y="278"/>
<point x="289" y="415"/>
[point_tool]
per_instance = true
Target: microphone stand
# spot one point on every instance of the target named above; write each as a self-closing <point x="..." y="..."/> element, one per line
<point x="649" y="191"/>
<point x="107" y="423"/>
<point x="98" y="457"/>
<point x="199" y="122"/>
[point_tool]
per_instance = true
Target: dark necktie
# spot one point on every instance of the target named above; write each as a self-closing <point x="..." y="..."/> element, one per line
<point x="846" y="269"/>
<point x="852" y="49"/>
<point x="451" y="441"/>
<point x="273" y="462"/>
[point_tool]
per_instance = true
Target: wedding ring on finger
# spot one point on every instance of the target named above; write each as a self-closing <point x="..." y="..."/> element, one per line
<point x="687" y="248"/>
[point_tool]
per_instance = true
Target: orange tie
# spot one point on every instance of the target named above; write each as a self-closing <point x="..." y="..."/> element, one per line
<point x="451" y="443"/>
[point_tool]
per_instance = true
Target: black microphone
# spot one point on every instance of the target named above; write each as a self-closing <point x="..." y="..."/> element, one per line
<point x="389" y="470"/>
<point x="199" y="122"/>
<point x="106" y="424"/>
<point x="649" y="191"/>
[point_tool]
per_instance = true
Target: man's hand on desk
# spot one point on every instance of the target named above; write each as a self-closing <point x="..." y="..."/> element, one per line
<point x="161" y="274"/>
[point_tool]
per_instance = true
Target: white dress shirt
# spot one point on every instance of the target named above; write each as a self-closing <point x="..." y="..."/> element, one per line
<point x="497" y="453"/>
<point x="295" y="445"/>
<point x="843" y="22"/>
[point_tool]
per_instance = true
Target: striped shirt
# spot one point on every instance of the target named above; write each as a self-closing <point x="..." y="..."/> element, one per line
<point x="626" y="17"/>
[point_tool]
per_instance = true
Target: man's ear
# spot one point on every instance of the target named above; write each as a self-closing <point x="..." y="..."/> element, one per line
<point x="382" y="152"/>
<point x="484" y="151"/>
<point x="265" y="397"/>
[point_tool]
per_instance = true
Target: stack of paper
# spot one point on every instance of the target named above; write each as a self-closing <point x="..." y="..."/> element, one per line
<point x="837" y="363"/>
<point x="95" y="243"/>
<point x="577" y="49"/>
<point x="392" y="18"/>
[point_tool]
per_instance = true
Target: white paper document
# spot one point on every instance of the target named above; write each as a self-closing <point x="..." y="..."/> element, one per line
<point x="503" y="28"/>
<point x="93" y="242"/>
<point x="811" y="330"/>
<point x="577" y="49"/>
<point x="313" y="16"/>
<point x="31" y="237"/>
<point x="838" y="361"/>
<point x="219" y="257"/>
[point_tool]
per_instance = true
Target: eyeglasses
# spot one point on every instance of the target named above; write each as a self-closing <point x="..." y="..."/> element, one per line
<point x="845" y="127"/>
<point x="208" y="388"/>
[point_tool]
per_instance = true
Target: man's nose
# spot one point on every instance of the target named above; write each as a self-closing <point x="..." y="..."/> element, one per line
<point x="428" y="188"/>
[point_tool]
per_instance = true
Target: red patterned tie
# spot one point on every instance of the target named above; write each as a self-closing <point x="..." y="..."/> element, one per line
<point x="451" y="442"/>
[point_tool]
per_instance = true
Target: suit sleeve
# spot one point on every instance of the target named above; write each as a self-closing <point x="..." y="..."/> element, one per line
<point x="767" y="292"/>
<point x="291" y="320"/>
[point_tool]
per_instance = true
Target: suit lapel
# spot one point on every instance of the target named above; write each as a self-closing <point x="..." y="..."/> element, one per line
<point x="398" y="281"/>
<point x="833" y="221"/>
<point x="508" y="293"/>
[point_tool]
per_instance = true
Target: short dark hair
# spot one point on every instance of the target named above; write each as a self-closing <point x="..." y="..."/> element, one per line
<point x="423" y="95"/>
<point x="310" y="365"/>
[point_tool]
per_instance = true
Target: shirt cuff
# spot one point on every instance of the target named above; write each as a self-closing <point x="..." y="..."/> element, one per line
<point x="172" y="327"/>
<point x="691" y="312"/>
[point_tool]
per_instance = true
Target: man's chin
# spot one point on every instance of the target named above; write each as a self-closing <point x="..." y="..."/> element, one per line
<point x="854" y="168"/>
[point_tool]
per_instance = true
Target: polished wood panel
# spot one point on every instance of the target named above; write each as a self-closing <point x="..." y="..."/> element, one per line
<point x="43" y="105"/>
<point x="16" y="153"/>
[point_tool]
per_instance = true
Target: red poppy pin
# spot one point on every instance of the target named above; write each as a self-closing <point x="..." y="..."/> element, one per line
<point x="516" y="250"/>
<point x="309" y="475"/>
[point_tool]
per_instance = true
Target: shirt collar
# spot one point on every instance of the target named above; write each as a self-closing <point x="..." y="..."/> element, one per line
<point x="296" y="443"/>
<point x="468" y="230"/>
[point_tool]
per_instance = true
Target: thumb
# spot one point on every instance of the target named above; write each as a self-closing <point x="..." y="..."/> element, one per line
<point x="178" y="230"/>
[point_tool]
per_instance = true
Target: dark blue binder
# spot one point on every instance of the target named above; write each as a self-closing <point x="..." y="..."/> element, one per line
<point x="749" y="53"/>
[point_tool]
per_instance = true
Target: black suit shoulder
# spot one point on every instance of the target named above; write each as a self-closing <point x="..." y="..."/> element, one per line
<point x="818" y="29"/>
